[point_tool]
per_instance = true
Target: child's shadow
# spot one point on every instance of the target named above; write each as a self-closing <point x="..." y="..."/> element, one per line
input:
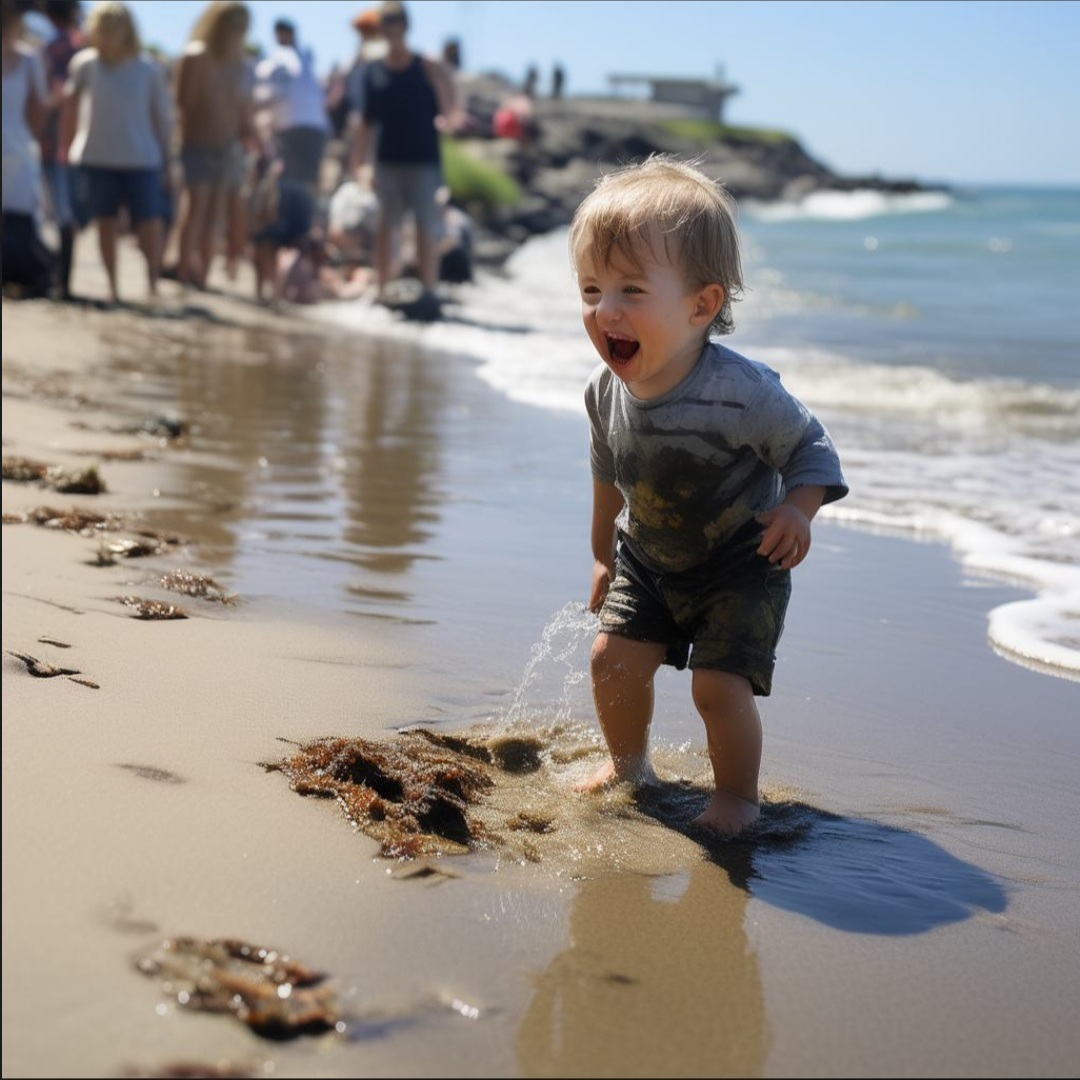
<point x="853" y="874"/>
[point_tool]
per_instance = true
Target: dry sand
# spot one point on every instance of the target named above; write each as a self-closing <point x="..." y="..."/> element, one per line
<point x="910" y="908"/>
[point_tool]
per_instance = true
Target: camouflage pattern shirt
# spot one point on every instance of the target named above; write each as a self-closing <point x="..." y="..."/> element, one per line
<point x="698" y="462"/>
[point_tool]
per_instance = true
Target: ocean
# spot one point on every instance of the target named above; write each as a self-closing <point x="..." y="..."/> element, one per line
<point x="933" y="333"/>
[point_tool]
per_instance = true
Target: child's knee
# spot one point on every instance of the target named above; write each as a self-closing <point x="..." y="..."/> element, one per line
<point x="720" y="691"/>
<point x="615" y="657"/>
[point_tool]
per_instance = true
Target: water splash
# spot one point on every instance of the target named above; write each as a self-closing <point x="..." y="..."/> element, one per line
<point x="561" y="651"/>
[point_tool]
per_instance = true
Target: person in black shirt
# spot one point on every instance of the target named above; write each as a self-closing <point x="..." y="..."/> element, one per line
<point x="408" y="99"/>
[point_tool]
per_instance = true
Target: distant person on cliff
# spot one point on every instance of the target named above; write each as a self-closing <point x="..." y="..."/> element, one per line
<point x="706" y="476"/>
<point x="408" y="100"/>
<point x="558" y="81"/>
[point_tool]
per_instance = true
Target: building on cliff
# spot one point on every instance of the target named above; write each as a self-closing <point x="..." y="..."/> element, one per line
<point x="701" y="97"/>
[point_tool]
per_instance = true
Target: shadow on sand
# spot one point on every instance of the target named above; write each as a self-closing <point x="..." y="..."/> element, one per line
<point x="852" y="874"/>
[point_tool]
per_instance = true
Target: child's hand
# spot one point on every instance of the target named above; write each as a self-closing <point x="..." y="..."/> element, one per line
<point x="601" y="582"/>
<point x="786" y="538"/>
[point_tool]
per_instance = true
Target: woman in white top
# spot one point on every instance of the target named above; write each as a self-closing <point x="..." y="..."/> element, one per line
<point x="117" y="123"/>
<point x="24" y="115"/>
<point x="24" y="98"/>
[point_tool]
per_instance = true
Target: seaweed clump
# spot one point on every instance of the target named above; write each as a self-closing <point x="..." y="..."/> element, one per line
<point x="415" y="799"/>
<point x="151" y="609"/>
<point x="200" y="586"/>
<point x="68" y="481"/>
<point x="273" y="995"/>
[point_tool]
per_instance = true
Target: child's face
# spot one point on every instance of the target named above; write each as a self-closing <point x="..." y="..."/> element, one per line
<point x="647" y="325"/>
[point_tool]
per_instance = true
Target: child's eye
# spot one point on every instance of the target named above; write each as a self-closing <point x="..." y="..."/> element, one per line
<point x="633" y="289"/>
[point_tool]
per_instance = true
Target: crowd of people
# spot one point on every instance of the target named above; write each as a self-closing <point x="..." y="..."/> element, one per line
<point x="221" y="154"/>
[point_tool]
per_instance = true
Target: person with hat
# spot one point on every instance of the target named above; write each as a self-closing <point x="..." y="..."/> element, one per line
<point x="407" y="100"/>
<point x="371" y="47"/>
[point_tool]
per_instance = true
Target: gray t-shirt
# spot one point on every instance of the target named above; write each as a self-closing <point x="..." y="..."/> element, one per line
<point x="698" y="462"/>
<point x="125" y="118"/>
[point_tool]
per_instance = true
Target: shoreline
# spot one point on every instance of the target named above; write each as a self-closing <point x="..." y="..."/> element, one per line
<point x="927" y="883"/>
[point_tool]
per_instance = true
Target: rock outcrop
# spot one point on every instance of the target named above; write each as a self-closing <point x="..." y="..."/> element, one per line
<point x="574" y="140"/>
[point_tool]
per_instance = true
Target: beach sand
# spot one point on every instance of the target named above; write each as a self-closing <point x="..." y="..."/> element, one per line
<point x="408" y="548"/>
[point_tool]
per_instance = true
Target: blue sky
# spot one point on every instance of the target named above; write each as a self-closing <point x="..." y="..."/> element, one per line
<point x="966" y="91"/>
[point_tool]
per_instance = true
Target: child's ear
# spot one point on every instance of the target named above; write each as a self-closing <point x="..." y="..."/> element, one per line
<point x="707" y="304"/>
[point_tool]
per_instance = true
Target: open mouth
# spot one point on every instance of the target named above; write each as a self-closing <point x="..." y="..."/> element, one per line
<point x="620" y="349"/>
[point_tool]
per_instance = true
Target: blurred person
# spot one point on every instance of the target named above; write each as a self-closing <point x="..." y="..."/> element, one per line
<point x="282" y="214"/>
<point x="116" y="124"/>
<point x="451" y="53"/>
<point x="558" y="81"/>
<point x="408" y="100"/>
<point x="371" y="46"/>
<point x="287" y="87"/>
<point x="60" y="179"/>
<point x="214" y="110"/>
<point x="25" y="260"/>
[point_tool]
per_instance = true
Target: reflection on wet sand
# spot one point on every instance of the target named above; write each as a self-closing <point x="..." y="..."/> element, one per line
<point x="324" y="454"/>
<point x="659" y="979"/>
<point x="391" y="456"/>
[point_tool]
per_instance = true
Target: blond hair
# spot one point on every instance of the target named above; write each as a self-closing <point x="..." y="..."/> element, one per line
<point x="222" y="28"/>
<point x="694" y="215"/>
<point x="110" y="27"/>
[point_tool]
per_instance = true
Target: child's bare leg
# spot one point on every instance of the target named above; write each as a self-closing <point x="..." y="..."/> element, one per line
<point x="622" y="684"/>
<point x="733" y="726"/>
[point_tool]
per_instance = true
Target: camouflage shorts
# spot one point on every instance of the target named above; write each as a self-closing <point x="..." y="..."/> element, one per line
<point x="726" y="614"/>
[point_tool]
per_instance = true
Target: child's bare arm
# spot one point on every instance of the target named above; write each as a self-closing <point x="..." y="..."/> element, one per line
<point x="607" y="502"/>
<point x="786" y="538"/>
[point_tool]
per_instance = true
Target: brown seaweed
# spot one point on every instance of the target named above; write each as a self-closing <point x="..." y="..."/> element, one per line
<point x="151" y="609"/>
<point x="126" y="548"/>
<point x="414" y="799"/>
<point x="197" y="585"/>
<point x="276" y="997"/>
<point x="66" y="481"/>
<point x="41" y="669"/>
<point x="74" y="519"/>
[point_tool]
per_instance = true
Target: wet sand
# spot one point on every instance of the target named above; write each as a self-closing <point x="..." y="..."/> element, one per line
<point x="408" y="548"/>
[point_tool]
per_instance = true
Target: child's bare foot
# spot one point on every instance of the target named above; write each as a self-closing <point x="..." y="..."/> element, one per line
<point x="727" y="814"/>
<point x="635" y="772"/>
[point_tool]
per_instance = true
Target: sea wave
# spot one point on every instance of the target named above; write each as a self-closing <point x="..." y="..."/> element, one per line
<point x="853" y="205"/>
<point x="990" y="465"/>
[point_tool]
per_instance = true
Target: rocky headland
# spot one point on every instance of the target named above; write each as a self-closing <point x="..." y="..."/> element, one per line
<point x="573" y="140"/>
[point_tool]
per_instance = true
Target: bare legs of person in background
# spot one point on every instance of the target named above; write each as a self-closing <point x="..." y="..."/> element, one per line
<point x="427" y="257"/>
<point x="149" y="235"/>
<point x="623" y="672"/>
<point x="267" y="281"/>
<point x="198" y="222"/>
<point x="235" y="230"/>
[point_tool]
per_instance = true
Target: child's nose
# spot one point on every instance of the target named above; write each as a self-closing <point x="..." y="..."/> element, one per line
<point x="608" y="309"/>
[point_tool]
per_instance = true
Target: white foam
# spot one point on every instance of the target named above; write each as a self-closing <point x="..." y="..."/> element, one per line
<point x="990" y="465"/>
<point x="854" y="205"/>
